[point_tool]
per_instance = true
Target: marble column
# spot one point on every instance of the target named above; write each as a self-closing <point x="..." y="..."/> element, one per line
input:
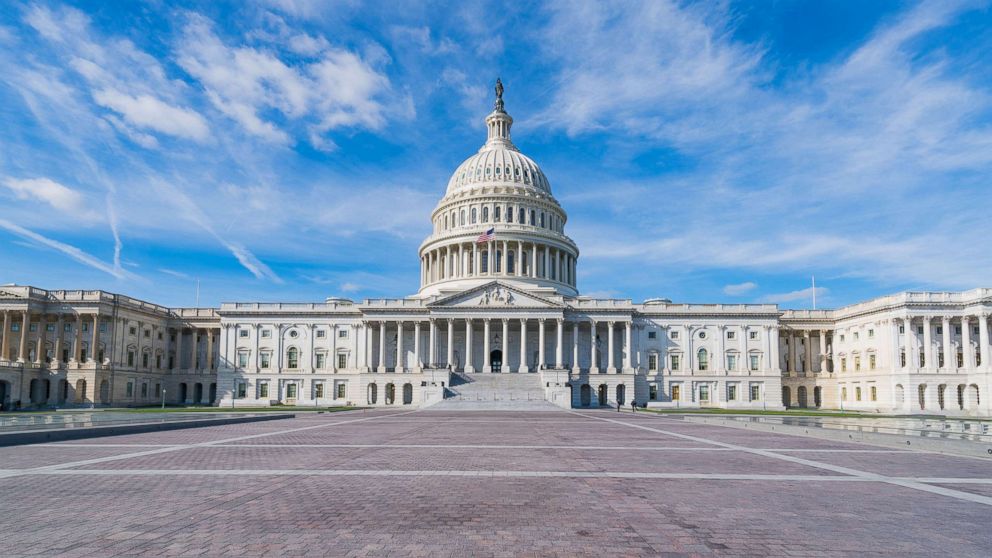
<point x="487" y="365"/>
<point x="523" y="346"/>
<point x="505" y="360"/>
<point x="431" y="342"/>
<point x="417" y="362"/>
<point x="5" y="343"/>
<point x="593" y="368"/>
<point x="558" y="344"/>
<point x="468" y="346"/>
<point x="451" y="344"/>
<point x="808" y="345"/>
<point x="400" y="356"/>
<point x="823" y="351"/>
<point x="928" y="360"/>
<point x="77" y="346"/>
<point x="39" y="351"/>
<point x="610" y="355"/>
<point x="22" y="348"/>
<point x="210" y="348"/>
<point x="382" y="347"/>
<point x="542" y="361"/>
<point x="57" y="356"/>
<point x="575" y="347"/>
<point x="179" y="346"/>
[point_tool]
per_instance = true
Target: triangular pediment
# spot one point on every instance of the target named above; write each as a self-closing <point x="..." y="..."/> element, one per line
<point x="494" y="295"/>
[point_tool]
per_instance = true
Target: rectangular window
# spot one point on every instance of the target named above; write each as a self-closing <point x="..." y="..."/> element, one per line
<point x="130" y="358"/>
<point x="263" y="390"/>
<point x="842" y="338"/>
<point x="843" y="365"/>
<point x="731" y="362"/>
<point x="675" y="362"/>
<point x="160" y="336"/>
<point x="752" y="335"/>
<point x="653" y="392"/>
<point x="873" y="391"/>
<point x="342" y="360"/>
<point x="704" y="393"/>
<point x="676" y="392"/>
<point x="133" y="330"/>
<point x="266" y="333"/>
<point x="342" y="333"/>
<point x="291" y="391"/>
<point x="103" y="327"/>
<point x="902" y="329"/>
<point x="871" y="362"/>
<point x="86" y="326"/>
<point x="15" y="327"/>
<point x="843" y="394"/>
<point x="957" y="330"/>
<point x="144" y="390"/>
<point x="319" y="391"/>
<point x="652" y="362"/>
<point x="130" y="388"/>
<point x="857" y="393"/>
<point x="940" y="330"/>
<point x="67" y="328"/>
<point x="321" y="334"/>
<point x="871" y="334"/>
<point x="321" y="357"/>
<point x="158" y="361"/>
<point x="148" y="333"/>
<point x="243" y="333"/>
<point x="652" y="334"/>
<point x="856" y="336"/>
<point x="266" y="357"/>
<point x="33" y="327"/>
<point x="242" y="360"/>
<point x="675" y="334"/>
<point x="754" y="363"/>
<point x="919" y="330"/>
<point x="158" y="390"/>
<point x="50" y="327"/>
<point x="242" y="390"/>
<point x="732" y="392"/>
<point x="857" y="363"/>
<point x="755" y="392"/>
<point x="342" y="390"/>
<point x="144" y="360"/>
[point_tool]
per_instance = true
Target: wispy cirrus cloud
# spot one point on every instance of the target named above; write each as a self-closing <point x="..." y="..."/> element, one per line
<point x="68" y="249"/>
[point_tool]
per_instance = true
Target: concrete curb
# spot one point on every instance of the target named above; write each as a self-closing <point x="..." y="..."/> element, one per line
<point x="936" y="445"/>
<point x="63" y="434"/>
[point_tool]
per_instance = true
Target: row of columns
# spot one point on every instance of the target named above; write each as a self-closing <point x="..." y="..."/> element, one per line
<point x="458" y="261"/>
<point x="469" y="366"/>
<point x="801" y="360"/>
<point x="41" y="337"/>
<point x="913" y="349"/>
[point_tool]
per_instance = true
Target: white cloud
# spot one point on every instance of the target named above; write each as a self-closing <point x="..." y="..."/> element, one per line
<point x="247" y="84"/>
<point x="740" y="288"/>
<point x="146" y="111"/>
<point x="173" y="273"/>
<point x="56" y="195"/>
<point x="350" y="287"/>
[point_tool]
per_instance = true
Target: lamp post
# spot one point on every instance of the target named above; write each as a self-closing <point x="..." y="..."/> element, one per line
<point x="163" y="399"/>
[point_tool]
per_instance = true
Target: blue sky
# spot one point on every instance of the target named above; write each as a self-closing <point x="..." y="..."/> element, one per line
<point x="291" y="150"/>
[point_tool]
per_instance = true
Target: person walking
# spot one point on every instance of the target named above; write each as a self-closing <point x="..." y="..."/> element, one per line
<point x="633" y="406"/>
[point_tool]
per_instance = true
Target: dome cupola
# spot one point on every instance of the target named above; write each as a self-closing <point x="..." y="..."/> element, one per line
<point x="498" y="220"/>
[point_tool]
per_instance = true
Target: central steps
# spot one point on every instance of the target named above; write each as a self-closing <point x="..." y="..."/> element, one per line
<point x="494" y="392"/>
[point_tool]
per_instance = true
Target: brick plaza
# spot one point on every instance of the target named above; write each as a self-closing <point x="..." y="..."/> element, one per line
<point x="431" y="483"/>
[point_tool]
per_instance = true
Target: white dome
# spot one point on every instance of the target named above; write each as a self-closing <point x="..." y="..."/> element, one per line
<point x="498" y="165"/>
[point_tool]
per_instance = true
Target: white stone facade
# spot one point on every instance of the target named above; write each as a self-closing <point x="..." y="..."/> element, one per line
<point x="507" y="304"/>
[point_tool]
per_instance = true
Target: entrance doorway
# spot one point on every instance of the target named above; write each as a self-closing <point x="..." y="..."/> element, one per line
<point x="496" y="360"/>
<point x="602" y="395"/>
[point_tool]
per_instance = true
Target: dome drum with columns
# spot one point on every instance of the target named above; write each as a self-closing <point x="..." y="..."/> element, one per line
<point x="501" y="189"/>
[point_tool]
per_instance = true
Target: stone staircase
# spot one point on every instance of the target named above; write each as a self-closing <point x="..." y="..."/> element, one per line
<point x="494" y="392"/>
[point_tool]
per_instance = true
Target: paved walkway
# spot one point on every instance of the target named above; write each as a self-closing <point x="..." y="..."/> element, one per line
<point x="434" y="483"/>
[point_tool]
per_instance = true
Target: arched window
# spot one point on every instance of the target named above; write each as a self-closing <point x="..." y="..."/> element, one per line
<point x="523" y="216"/>
<point x="485" y="214"/>
<point x="446" y="222"/>
<point x="509" y="259"/>
<point x="533" y="217"/>
<point x="498" y="264"/>
<point x="473" y="215"/>
<point x="484" y="261"/>
<point x="703" y="359"/>
<point x="542" y="219"/>
<point x="461" y="218"/>
<point x="292" y="358"/>
<point x="496" y="214"/>
<point x="509" y="214"/>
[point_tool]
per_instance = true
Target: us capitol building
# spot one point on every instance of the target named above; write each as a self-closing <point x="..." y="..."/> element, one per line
<point x="498" y="320"/>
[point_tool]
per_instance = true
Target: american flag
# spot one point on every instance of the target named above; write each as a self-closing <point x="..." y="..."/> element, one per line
<point x="486" y="236"/>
